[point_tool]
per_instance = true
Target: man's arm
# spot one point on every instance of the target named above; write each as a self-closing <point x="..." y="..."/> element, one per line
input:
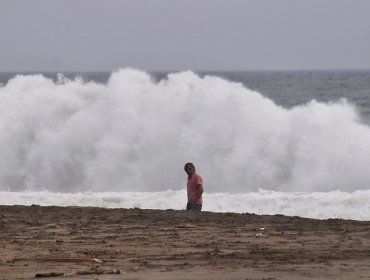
<point x="197" y="194"/>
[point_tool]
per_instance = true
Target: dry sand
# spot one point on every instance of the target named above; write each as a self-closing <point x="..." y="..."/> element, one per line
<point x="155" y="244"/>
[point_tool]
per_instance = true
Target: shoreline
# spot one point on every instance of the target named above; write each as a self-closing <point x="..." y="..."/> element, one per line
<point x="177" y="244"/>
<point x="316" y="205"/>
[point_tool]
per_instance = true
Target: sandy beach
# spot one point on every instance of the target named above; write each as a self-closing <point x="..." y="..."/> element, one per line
<point x="94" y="243"/>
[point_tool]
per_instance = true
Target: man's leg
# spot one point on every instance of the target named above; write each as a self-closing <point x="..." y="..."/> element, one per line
<point x="194" y="207"/>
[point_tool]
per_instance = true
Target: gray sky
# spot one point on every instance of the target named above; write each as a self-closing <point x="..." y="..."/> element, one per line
<point x="104" y="35"/>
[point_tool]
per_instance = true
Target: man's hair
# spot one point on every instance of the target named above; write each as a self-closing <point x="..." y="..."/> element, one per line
<point x="189" y="164"/>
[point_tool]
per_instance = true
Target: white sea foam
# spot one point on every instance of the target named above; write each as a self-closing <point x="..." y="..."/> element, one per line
<point x="135" y="134"/>
<point x="335" y="204"/>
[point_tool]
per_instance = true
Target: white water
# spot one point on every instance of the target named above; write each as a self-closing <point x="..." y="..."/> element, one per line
<point x="336" y="204"/>
<point x="134" y="134"/>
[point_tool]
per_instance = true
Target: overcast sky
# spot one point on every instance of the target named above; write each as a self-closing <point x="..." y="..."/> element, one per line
<point x="104" y="35"/>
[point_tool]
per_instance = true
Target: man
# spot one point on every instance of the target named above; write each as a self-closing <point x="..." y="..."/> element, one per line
<point x="194" y="188"/>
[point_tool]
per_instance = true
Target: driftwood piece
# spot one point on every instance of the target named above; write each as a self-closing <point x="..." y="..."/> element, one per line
<point x="49" y="274"/>
<point x="82" y="260"/>
<point x="83" y="272"/>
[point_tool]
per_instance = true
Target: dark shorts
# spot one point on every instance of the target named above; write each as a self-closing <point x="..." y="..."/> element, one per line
<point x="194" y="207"/>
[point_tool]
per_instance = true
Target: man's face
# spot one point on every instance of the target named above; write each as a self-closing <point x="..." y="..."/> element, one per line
<point x="189" y="170"/>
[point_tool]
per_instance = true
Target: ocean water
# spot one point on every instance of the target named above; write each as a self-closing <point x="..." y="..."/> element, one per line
<point x="293" y="143"/>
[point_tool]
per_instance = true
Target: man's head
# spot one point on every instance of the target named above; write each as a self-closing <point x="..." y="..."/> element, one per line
<point x="189" y="168"/>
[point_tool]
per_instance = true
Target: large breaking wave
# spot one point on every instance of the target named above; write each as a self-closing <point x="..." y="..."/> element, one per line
<point x="134" y="133"/>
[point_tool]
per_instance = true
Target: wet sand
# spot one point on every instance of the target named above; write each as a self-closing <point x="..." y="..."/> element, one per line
<point x="84" y="242"/>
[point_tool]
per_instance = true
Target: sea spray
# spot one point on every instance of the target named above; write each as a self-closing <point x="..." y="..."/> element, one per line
<point x="134" y="134"/>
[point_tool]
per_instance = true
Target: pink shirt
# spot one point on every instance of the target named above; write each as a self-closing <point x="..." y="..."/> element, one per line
<point x="192" y="189"/>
